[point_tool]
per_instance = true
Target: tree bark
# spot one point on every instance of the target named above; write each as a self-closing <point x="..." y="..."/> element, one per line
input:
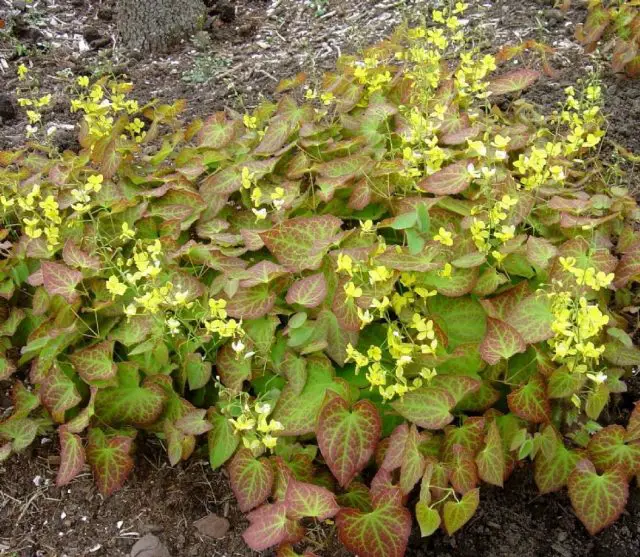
<point x="155" y="25"/>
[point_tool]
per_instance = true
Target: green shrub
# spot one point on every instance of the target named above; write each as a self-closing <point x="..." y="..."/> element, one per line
<point x="377" y="298"/>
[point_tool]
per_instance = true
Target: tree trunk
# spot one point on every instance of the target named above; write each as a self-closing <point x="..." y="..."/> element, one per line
<point x="154" y="25"/>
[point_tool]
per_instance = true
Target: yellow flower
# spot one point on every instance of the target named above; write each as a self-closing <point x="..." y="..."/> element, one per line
<point x="379" y="274"/>
<point x="217" y="308"/>
<point x="83" y="81"/>
<point x="94" y="183"/>
<point x="115" y="287"/>
<point x="22" y="72"/>
<point x="444" y="237"/>
<point x="352" y="291"/>
<point x="345" y="264"/>
<point x="243" y="423"/>
<point x="327" y="98"/>
<point x="247" y="178"/>
<point x="127" y="232"/>
<point x="250" y="122"/>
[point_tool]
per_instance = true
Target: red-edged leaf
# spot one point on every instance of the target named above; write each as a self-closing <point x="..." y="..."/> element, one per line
<point x="428" y="407"/>
<point x="75" y="257"/>
<point x="251" y="479"/>
<point x="514" y="81"/>
<point x="58" y="393"/>
<point x="345" y="309"/>
<point x="110" y="460"/>
<point x="451" y="180"/>
<point x="251" y="303"/>
<point x="540" y="252"/>
<point x="262" y="273"/>
<point x="470" y="435"/>
<point x="532" y="318"/>
<point x="60" y="279"/>
<point x="456" y="515"/>
<point x="347" y="437"/>
<point x="295" y="370"/>
<point x="395" y="450"/>
<point x="72" y="457"/>
<point x="530" y="401"/>
<point x="308" y="500"/>
<point x="300" y="243"/>
<point x="413" y="461"/>
<point x="608" y="449"/>
<point x="194" y="422"/>
<point x="233" y="369"/>
<point x="383" y="532"/>
<point x="633" y="427"/>
<point x="552" y="469"/>
<point x="95" y="364"/>
<point x="308" y="292"/>
<point x="501" y="341"/>
<point x="268" y="526"/>
<point x="463" y="472"/>
<point x="597" y="499"/>
<point x="490" y="460"/>
<point x="400" y="259"/>
<point x="216" y="132"/>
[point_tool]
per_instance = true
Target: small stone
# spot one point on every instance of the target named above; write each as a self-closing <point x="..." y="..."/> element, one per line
<point x="105" y="14"/>
<point x="7" y="112"/>
<point x="213" y="526"/>
<point x="149" y="546"/>
<point x="91" y="34"/>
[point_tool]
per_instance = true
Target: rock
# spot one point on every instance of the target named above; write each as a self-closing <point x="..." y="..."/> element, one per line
<point x="149" y="546"/>
<point x="7" y="108"/>
<point x="213" y="526"/>
<point x="105" y="14"/>
<point x="91" y="34"/>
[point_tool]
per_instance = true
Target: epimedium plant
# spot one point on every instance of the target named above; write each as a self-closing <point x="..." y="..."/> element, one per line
<point x="618" y="21"/>
<point x="372" y="298"/>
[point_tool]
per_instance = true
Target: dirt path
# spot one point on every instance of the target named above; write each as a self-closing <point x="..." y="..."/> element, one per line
<point x="251" y="47"/>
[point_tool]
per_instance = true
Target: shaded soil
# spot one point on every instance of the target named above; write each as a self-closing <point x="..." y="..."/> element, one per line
<point x="239" y="58"/>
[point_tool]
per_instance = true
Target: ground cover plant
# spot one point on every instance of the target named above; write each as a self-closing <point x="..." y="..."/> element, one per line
<point x="370" y="299"/>
<point x="617" y="21"/>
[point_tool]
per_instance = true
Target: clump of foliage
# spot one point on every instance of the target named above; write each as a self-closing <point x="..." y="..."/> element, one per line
<point x="373" y="298"/>
<point x="618" y="21"/>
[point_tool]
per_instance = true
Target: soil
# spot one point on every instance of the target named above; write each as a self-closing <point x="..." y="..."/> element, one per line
<point x="247" y="46"/>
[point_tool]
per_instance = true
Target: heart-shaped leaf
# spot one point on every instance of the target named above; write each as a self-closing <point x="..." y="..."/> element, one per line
<point x="428" y="407"/>
<point x="110" y="460"/>
<point x="311" y="501"/>
<point x="72" y="457"/>
<point x="457" y="514"/>
<point x="490" y="460"/>
<point x="251" y="479"/>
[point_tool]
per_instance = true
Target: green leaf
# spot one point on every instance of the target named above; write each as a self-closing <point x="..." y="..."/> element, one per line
<point x="463" y="470"/>
<point x="337" y="338"/>
<point x="428" y="519"/>
<point x="633" y="427"/>
<point x="456" y="515"/>
<point x="490" y="460"/>
<point x="608" y="449"/>
<point x="451" y="180"/>
<point x="251" y="479"/>
<point x="564" y="383"/>
<point x="302" y="242"/>
<point x="21" y="431"/>
<point x="222" y="440"/>
<point x="540" y="252"/>
<point x="309" y="292"/>
<point x="233" y="369"/>
<point x="530" y="401"/>
<point x="597" y="499"/>
<point x="130" y="403"/>
<point x="501" y="341"/>
<point x="413" y="461"/>
<point x="347" y="437"/>
<point x="400" y="259"/>
<point x="462" y="319"/>
<point x="197" y="370"/>
<point x="72" y="457"/>
<point x="110" y="460"/>
<point x="9" y="327"/>
<point x="95" y="363"/>
<point x="469" y="435"/>
<point x="298" y="413"/>
<point x="620" y="355"/>
<point x="217" y="132"/>
<point x="513" y="81"/>
<point x="60" y="279"/>
<point x="406" y="220"/>
<point x="426" y="407"/>
<point x="356" y="497"/>
<point x="383" y="532"/>
<point x="295" y="370"/>
<point x="596" y="401"/>
<point x="424" y="222"/>
<point x="308" y="500"/>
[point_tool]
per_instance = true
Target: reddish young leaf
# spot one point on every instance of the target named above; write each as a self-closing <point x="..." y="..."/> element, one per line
<point x="216" y="132"/>
<point x="532" y="318"/>
<point x="347" y="437"/>
<point x="469" y="435"/>
<point x="456" y="515"/>
<point x="295" y="370"/>
<point x="451" y="180"/>
<point x="608" y="449"/>
<point x="58" y="393"/>
<point x="308" y="500"/>
<point x="513" y="81"/>
<point x="60" y="279"/>
<point x="300" y="243"/>
<point x="75" y="257"/>
<point x="110" y="460"/>
<point x="490" y="460"/>
<point x="395" y="451"/>
<point x="95" y="364"/>
<point x="194" y="422"/>
<point x="597" y="499"/>
<point x="72" y="457"/>
<point x="458" y="386"/>
<point x="308" y="292"/>
<point x="383" y="532"/>
<point x="633" y="427"/>
<point x="345" y="309"/>
<point x="251" y="479"/>
<point x="530" y="401"/>
<point x="268" y="526"/>
<point x="251" y="303"/>
<point x="501" y="341"/>
<point x="427" y="407"/>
